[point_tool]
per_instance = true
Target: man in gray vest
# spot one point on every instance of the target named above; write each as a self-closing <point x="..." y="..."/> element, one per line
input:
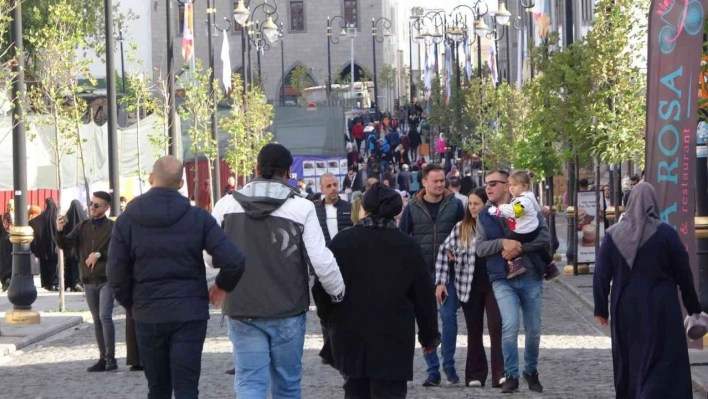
<point x="429" y="218"/>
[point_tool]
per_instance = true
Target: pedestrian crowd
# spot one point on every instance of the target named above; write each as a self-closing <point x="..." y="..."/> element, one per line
<point x="379" y="268"/>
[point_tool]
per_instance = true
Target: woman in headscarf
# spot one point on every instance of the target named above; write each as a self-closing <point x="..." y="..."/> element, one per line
<point x="644" y="261"/>
<point x="44" y="246"/>
<point x="5" y="252"/>
<point x="74" y="216"/>
<point x="389" y="288"/>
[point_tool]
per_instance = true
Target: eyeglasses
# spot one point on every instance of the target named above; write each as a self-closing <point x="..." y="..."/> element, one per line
<point x="494" y="183"/>
<point x="95" y="205"/>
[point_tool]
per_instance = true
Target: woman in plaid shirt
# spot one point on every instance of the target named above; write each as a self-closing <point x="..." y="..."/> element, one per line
<point x="457" y="259"/>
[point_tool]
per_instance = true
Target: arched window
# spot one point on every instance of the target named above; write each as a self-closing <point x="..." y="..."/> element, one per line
<point x="298" y="78"/>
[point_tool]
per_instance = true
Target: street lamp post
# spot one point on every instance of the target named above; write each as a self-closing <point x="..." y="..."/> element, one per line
<point x="282" y="66"/>
<point x="332" y="39"/>
<point x="216" y="165"/>
<point x="122" y="62"/>
<point x="416" y="23"/>
<point x="22" y="292"/>
<point x="171" y="111"/>
<point x="386" y="24"/>
<point x="113" y="155"/>
<point x="435" y="37"/>
<point x="479" y="28"/>
<point x="263" y="34"/>
<point x="518" y="26"/>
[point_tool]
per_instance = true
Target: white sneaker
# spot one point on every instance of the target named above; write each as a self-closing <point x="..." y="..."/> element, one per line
<point x="502" y="380"/>
<point x="475" y="384"/>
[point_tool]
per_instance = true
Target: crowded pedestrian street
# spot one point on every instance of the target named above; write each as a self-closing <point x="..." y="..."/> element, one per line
<point x="575" y="362"/>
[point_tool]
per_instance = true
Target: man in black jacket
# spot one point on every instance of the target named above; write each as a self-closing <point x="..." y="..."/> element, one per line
<point x="156" y="268"/>
<point x="333" y="213"/>
<point x="91" y="237"/>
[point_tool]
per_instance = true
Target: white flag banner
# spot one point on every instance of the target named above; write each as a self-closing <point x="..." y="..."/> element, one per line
<point x="226" y="59"/>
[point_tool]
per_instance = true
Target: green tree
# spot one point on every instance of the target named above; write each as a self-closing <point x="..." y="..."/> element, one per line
<point x="138" y="99"/>
<point x="247" y="125"/>
<point x="300" y="80"/>
<point x="6" y="74"/>
<point x="160" y="139"/>
<point x="560" y="120"/>
<point x="57" y="91"/>
<point x="615" y="48"/>
<point x="90" y="20"/>
<point x="387" y="79"/>
<point x="198" y="106"/>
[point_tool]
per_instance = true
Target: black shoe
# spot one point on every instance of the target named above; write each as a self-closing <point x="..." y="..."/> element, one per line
<point x="231" y="371"/>
<point x="532" y="381"/>
<point x="137" y="368"/>
<point x="111" y="364"/>
<point x="511" y="385"/>
<point x="98" y="367"/>
<point x="432" y="381"/>
<point x="5" y="285"/>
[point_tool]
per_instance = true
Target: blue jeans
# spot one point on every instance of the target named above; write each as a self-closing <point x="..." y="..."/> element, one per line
<point x="448" y="314"/>
<point x="268" y="352"/>
<point x="526" y="293"/>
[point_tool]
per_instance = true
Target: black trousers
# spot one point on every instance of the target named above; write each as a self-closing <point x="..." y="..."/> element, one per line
<point x="365" y="388"/>
<point x="477" y="368"/>
<point x="131" y="340"/>
<point x="48" y="272"/>
<point x="172" y="356"/>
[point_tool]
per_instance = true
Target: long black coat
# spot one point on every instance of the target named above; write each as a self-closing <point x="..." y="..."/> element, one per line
<point x="388" y="289"/>
<point x="649" y="348"/>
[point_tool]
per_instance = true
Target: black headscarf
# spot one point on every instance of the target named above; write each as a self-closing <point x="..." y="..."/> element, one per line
<point x="74" y="216"/>
<point x="45" y="230"/>
<point x="382" y="202"/>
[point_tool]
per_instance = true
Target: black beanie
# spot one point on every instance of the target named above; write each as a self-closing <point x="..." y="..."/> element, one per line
<point x="382" y="201"/>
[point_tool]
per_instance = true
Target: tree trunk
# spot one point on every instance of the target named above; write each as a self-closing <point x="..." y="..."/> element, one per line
<point x="196" y="178"/>
<point x="60" y="263"/>
<point x="211" y="184"/>
<point x="137" y="137"/>
<point x="87" y="187"/>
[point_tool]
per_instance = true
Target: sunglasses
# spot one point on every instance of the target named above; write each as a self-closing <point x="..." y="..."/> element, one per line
<point x="494" y="183"/>
<point x="95" y="205"/>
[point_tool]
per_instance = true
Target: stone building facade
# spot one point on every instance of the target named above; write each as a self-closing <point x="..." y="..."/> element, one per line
<point x="304" y="39"/>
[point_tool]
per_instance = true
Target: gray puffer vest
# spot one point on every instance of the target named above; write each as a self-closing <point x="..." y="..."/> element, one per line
<point x="430" y="234"/>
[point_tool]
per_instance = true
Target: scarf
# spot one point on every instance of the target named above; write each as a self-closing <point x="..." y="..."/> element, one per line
<point x="638" y="224"/>
<point x="378" y="223"/>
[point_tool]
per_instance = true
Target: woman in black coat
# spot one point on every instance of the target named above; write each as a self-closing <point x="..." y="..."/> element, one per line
<point x="388" y="289"/>
<point x="72" y="280"/>
<point x="44" y="246"/>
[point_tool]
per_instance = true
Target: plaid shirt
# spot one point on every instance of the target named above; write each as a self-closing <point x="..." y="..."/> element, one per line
<point x="464" y="260"/>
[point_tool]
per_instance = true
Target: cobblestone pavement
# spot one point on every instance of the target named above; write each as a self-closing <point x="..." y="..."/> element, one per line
<point x="575" y="362"/>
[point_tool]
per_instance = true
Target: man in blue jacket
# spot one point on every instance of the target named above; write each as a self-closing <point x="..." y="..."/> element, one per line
<point x="522" y="293"/>
<point x="156" y="268"/>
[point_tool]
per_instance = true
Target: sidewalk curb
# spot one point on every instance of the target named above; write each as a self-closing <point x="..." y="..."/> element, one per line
<point x="577" y="293"/>
<point x="71" y="321"/>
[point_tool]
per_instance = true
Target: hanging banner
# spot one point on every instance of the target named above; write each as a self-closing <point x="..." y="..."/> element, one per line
<point x="674" y="66"/>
